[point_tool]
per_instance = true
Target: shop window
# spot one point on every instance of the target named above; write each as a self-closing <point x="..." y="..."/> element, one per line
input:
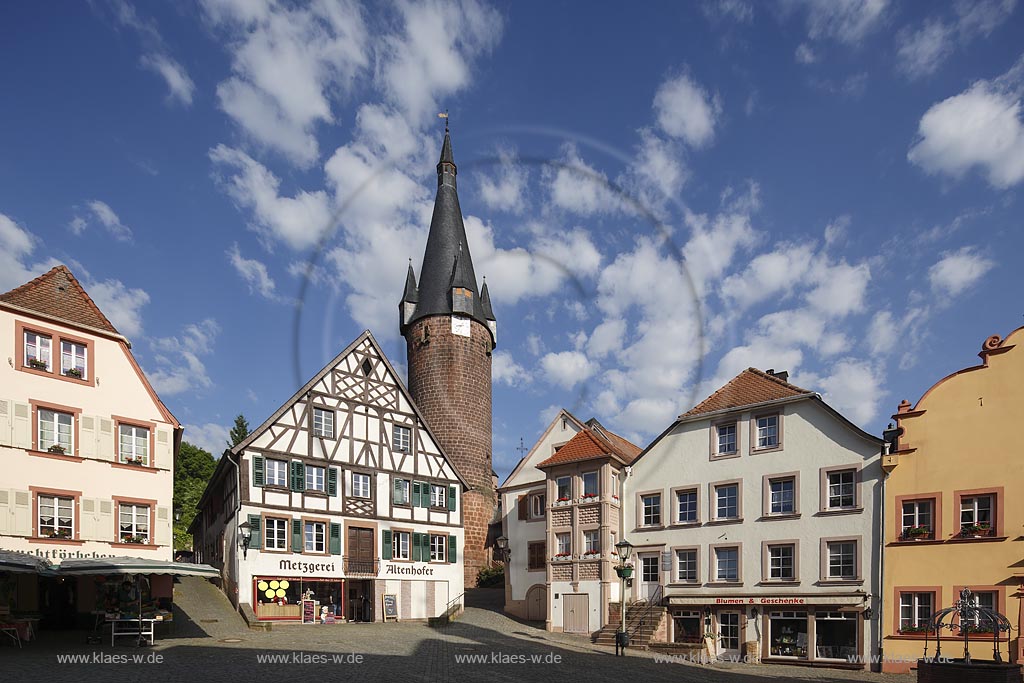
<point x="916" y="611"/>
<point x="279" y="598"/>
<point x="687" y="627"/>
<point x="835" y="635"/>
<point x="787" y="634"/>
<point x="651" y="505"/>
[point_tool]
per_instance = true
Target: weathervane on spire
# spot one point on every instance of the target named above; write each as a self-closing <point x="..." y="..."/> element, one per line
<point x="444" y="115"/>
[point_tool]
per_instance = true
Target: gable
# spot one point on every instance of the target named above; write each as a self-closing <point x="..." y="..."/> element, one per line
<point x="57" y="294"/>
<point x="560" y="431"/>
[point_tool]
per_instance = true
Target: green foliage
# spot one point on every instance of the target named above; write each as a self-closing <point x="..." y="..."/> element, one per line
<point x="491" y="577"/>
<point x="192" y="471"/>
<point x="239" y="431"/>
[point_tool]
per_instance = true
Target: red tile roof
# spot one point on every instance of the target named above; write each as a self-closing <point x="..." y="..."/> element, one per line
<point x="57" y="294"/>
<point x="750" y="387"/>
<point x="593" y="442"/>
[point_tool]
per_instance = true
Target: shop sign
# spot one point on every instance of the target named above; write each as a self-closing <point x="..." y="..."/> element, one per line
<point x="57" y="554"/>
<point x="415" y="569"/>
<point x="306" y="567"/>
<point x="766" y="600"/>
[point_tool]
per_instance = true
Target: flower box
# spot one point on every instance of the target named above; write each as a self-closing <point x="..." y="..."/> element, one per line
<point x="138" y="540"/>
<point x="561" y="557"/>
<point x="56" y="448"/>
<point x="59" y="533"/>
<point x="589" y="498"/>
<point x="73" y="372"/>
<point x="975" y="530"/>
<point x="917" y="533"/>
<point x="139" y="462"/>
<point x="591" y="556"/>
<point x="37" y="364"/>
<point x="562" y="501"/>
<point x="624" y="572"/>
<point x="914" y="630"/>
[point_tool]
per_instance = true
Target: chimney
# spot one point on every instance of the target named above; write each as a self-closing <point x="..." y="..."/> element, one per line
<point x="781" y="374"/>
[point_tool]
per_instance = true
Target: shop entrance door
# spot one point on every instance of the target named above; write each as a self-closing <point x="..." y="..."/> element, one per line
<point x="360" y="600"/>
<point x="729" y="635"/>
<point x="650" y="575"/>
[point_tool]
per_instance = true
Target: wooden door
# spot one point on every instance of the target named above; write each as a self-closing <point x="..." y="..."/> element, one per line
<point x="360" y="550"/>
<point x="576" y="613"/>
<point x="537" y="604"/>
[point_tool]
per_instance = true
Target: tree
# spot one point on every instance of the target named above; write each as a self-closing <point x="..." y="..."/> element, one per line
<point x="239" y="431"/>
<point x="192" y="471"/>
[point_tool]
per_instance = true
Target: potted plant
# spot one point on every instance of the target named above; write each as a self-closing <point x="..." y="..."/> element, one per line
<point x="624" y="570"/>
<point x="588" y="497"/>
<point x="59" y="533"/>
<point x="920" y="628"/>
<point x="73" y="372"/>
<point x="56" y="448"/>
<point x="973" y="530"/>
<point x="37" y="364"/>
<point x="134" y="539"/>
<point x="562" y="501"/>
<point x="138" y="460"/>
<point x="562" y="556"/>
<point x="917" y="533"/>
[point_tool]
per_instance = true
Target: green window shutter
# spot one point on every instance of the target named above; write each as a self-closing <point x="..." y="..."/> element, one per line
<point x="452" y="493"/>
<point x="396" y="492"/>
<point x="417" y="547"/>
<point x="297" y="544"/>
<point x="424" y="494"/>
<point x="415" y="494"/>
<point x="335" y="539"/>
<point x="453" y="552"/>
<point x="385" y="545"/>
<point x="258" y="471"/>
<point x="257" y="535"/>
<point x="332" y="481"/>
<point x="298" y="477"/>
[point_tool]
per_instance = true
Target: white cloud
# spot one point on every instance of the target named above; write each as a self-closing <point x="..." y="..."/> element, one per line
<point x="607" y="338"/>
<point x="687" y="111"/>
<point x="567" y="368"/>
<point x="505" y="370"/>
<point x="956" y="271"/>
<point x="287" y="62"/>
<point x="840" y="288"/>
<point x="921" y="52"/>
<point x="739" y="11"/>
<point x="504" y="192"/>
<point x="16" y="245"/>
<point x="854" y="388"/>
<point x="121" y="304"/>
<point x="769" y="276"/>
<point x="658" y="172"/>
<point x="78" y="225"/>
<point x="254" y="273"/>
<point x="882" y="333"/>
<point x="847" y="21"/>
<point x="211" y="437"/>
<point x="178" y="81"/>
<point x="578" y="187"/>
<point x="981" y="127"/>
<point x="102" y="212"/>
<point x="431" y="56"/>
<point x="178" y="360"/>
<point x="298" y="221"/>
<point x="805" y="54"/>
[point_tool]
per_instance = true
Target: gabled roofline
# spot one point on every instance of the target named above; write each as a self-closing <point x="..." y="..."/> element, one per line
<point x="366" y="335"/>
<point x="755" y="406"/>
<point x="562" y="412"/>
<point x="116" y="336"/>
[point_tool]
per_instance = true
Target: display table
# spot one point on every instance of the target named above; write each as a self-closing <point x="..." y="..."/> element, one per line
<point x="131" y="627"/>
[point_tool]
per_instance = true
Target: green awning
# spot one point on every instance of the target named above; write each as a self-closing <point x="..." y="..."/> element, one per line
<point x="133" y="565"/>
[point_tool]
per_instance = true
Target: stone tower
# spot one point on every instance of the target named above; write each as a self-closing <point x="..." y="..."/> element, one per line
<point x="450" y="332"/>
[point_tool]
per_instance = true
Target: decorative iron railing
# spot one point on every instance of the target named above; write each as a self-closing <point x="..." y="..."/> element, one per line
<point x="359" y="566"/>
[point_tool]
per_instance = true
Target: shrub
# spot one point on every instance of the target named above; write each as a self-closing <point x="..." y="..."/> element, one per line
<point x="491" y="577"/>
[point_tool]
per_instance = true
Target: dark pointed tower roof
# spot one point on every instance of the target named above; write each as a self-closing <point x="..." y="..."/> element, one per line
<point x="447" y="262"/>
<point x="485" y="301"/>
<point x="411" y="294"/>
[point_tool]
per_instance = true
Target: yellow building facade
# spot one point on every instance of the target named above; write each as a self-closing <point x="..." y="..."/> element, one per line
<point x="954" y="513"/>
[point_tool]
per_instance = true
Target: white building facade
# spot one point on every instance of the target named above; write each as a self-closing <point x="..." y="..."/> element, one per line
<point x="346" y="498"/>
<point x="88" y="447"/>
<point x="754" y="518"/>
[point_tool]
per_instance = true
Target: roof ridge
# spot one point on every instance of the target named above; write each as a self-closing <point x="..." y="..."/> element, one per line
<point x="26" y="289"/>
<point x="734" y="386"/>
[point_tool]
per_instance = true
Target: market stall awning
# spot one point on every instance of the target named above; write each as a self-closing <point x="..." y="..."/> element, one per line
<point x="134" y="565"/>
<point x="23" y="563"/>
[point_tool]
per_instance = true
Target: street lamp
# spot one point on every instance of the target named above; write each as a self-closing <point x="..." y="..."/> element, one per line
<point x="504" y="552"/>
<point x="624" y="549"/>
<point x="244" y="537"/>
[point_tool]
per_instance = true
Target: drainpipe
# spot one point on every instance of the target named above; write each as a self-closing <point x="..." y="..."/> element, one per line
<point x="238" y="508"/>
<point x="881" y="569"/>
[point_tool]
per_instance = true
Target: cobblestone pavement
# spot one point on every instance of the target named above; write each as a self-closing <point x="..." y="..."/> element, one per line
<point x="200" y="650"/>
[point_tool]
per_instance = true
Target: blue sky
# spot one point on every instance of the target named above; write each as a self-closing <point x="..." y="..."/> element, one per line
<point x="659" y="195"/>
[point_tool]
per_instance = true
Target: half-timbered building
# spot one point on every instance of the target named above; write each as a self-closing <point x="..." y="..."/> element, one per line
<point x="341" y="497"/>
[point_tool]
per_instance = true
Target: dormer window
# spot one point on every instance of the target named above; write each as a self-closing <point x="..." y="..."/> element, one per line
<point x="462" y="300"/>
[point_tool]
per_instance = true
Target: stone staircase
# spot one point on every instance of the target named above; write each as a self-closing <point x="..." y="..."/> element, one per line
<point x="642" y="622"/>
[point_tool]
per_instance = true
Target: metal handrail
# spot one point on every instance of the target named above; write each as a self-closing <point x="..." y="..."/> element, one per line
<point x="655" y="600"/>
<point x="362" y="566"/>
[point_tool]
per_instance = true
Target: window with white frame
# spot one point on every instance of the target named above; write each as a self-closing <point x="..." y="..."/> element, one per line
<point x="976" y="511"/>
<point x="726" y="434"/>
<point x="133" y="444"/>
<point x="727" y="564"/>
<point x="360" y="485"/>
<point x="686" y="566"/>
<point x="316" y="537"/>
<point x="563" y="542"/>
<point x="277" y="472"/>
<point x="537" y="505"/>
<point x="686" y="506"/>
<point x="56" y="516"/>
<point x="651" y="509"/>
<point x="988" y="600"/>
<point x="916" y="611"/>
<point x="781" y="562"/>
<point x="768" y="431"/>
<point x="783" y="499"/>
<point x="401" y="438"/>
<point x="315" y="476"/>
<point x="73" y="359"/>
<point x="842" y="559"/>
<point x="56" y="429"/>
<point x="563" y="485"/>
<point x="590" y="485"/>
<point x="400" y="545"/>
<point x="275" y="536"/>
<point x="727" y="501"/>
<point x="917" y="518"/>
<point x="437" y="496"/>
<point x="37" y="351"/>
<point x="323" y="422"/>
<point x="438" y="548"/>
<point x="592" y="541"/>
<point x="133" y="523"/>
<point x="842" y="489"/>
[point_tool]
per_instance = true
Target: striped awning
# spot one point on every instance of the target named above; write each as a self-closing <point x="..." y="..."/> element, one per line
<point x="133" y="565"/>
<point x="23" y="563"/>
